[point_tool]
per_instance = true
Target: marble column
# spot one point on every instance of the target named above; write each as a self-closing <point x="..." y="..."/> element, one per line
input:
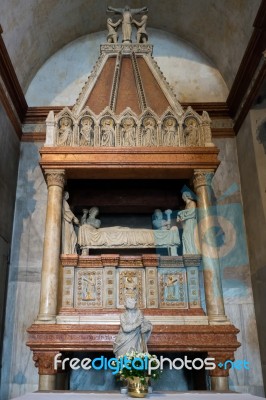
<point x="207" y="213"/>
<point x="51" y="248"/>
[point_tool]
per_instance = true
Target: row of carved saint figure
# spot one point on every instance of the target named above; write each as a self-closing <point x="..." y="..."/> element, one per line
<point x="128" y="133"/>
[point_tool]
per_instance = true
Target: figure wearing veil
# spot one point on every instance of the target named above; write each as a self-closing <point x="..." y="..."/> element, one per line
<point x="69" y="237"/>
<point x="188" y="217"/>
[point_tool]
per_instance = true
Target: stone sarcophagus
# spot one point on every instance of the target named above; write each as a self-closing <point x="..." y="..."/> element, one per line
<point x="122" y="237"/>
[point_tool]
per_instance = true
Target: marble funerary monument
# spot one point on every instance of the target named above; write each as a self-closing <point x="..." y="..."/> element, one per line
<point x="127" y="125"/>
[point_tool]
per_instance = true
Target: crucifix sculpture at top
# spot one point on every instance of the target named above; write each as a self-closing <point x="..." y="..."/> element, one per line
<point x="127" y="20"/>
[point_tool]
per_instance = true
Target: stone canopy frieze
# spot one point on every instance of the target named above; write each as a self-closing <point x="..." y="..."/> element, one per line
<point x="128" y="130"/>
<point x="127" y="121"/>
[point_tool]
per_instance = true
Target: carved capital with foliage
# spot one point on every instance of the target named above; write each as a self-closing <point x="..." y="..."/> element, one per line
<point x="202" y="177"/>
<point x="55" y="177"/>
<point x="44" y="361"/>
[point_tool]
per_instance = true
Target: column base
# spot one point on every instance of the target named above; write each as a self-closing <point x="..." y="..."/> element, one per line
<point x="47" y="382"/>
<point x="219" y="383"/>
<point x="218" y="320"/>
<point x="45" y="319"/>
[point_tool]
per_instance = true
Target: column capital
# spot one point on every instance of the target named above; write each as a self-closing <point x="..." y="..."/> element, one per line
<point x="202" y="177"/>
<point x="44" y="361"/>
<point x="55" y="177"/>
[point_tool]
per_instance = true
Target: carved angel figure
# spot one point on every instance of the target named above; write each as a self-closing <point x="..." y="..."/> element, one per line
<point x="149" y="132"/>
<point x="86" y="132"/>
<point x="128" y="132"/>
<point x="107" y="132"/>
<point x="191" y="132"/>
<point x="169" y="132"/>
<point x="65" y="132"/>
<point x="134" y="332"/>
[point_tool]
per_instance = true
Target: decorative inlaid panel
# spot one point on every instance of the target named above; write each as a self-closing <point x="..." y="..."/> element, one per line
<point x="152" y="287"/>
<point x="131" y="282"/>
<point x="193" y="287"/>
<point x="68" y="287"/>
<point x="172" y="288"/>
<point x="109" y="284"/>
<point x="89" y="288"/>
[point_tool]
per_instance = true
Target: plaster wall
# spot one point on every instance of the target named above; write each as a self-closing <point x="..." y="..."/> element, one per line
<point x="9" y="158"/>
<point x="19" y="374"/>
<point x="252" y="163"/>
<point x="235" y="268"/>
<point x="193" y="77"/>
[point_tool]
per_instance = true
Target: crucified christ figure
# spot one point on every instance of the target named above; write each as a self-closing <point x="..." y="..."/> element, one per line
<point x="127" y="14"/>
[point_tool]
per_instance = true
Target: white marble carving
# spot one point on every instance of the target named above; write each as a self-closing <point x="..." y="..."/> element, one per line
<point x="90" y="235"/>
<point x="107" y="132"/>
<point x="86" y="133"/>
<point x="69" y="237"/>
<point x="123" y="237"/>
<point x="128" y="132"/>
<point x="169" y="132"/>
<point x="65" y="132"/>
<point x="191" y="132"/>
<point x="149" y="132"/>
<point x="50" y="129"/>
<point x="141" y="36"/>
<point x="112" y="27"/>
<point x="134" y="331"/>
<point x="188" y="218"/>
<point x="127" y="20"/>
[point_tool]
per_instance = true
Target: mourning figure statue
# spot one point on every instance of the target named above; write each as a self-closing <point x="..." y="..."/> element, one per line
<point x="141" y="36"/>
<point x="112" y="27"/>
<point x="69" y="237"/>
<point x="188" y="219"/>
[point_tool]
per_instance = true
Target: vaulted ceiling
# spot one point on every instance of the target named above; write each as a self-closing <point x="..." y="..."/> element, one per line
<point x="33" y="30"/>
